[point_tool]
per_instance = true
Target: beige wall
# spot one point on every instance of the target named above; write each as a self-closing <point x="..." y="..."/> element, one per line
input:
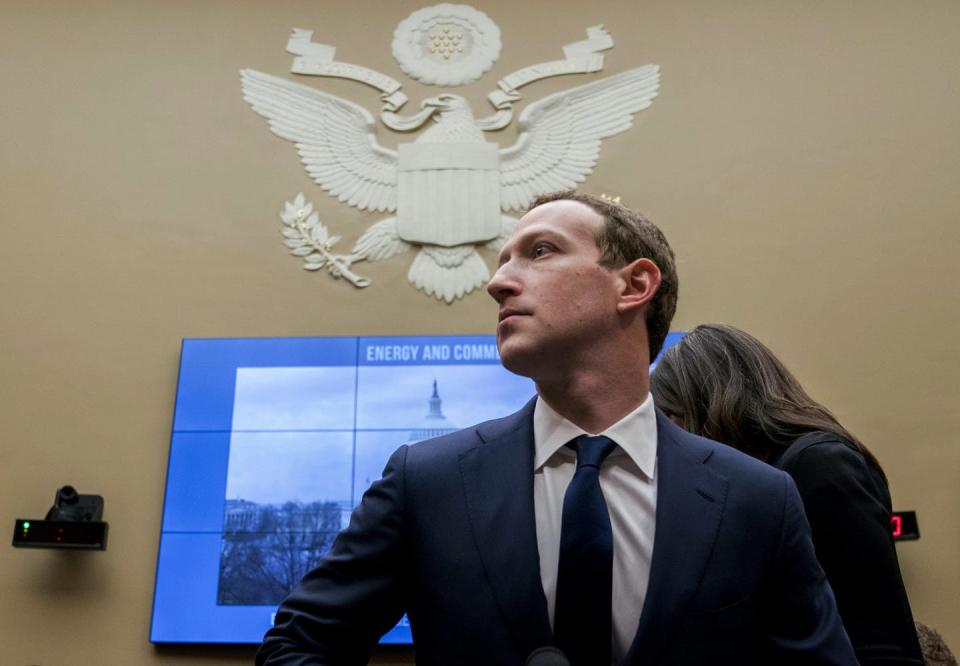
<point x="802" y="158"/>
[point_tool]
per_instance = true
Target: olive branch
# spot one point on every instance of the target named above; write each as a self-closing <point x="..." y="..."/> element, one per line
<point x="308" y="238"/>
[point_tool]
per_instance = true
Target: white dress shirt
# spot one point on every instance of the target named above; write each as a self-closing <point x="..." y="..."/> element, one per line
<point x="629" y="484"/>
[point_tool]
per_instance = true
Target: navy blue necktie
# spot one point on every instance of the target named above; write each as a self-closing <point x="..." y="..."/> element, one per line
<point x="582" y="625"/>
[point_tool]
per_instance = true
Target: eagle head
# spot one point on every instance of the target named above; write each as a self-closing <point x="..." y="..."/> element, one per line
<point x="446" y="102"/>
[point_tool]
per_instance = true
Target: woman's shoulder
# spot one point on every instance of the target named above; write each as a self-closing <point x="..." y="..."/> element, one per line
<point x="825" y="463"/>
<point x="820" y="448"/>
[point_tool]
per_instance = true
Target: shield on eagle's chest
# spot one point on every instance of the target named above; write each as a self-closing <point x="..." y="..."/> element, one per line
<point x="448" y="193"/>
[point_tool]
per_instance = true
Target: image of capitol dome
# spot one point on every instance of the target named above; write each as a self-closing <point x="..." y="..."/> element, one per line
<point x="434" y="423"/>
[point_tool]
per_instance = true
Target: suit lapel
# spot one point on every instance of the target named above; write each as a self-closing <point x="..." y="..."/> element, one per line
<point x="690" y="501"/>
<point x="498" y="482"/>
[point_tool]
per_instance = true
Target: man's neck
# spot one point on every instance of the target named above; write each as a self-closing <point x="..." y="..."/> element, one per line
<point x="595" y="401"/>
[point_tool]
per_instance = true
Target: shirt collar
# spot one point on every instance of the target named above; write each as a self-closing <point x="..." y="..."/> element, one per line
<point x="635" y="434"/>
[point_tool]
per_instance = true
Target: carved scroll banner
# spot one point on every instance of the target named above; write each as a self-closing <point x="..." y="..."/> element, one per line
<point x="580" y="58"/>
<point x="315" y="59"/>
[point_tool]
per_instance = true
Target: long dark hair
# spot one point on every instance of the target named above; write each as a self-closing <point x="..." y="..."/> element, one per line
<point x="722" y="383"/>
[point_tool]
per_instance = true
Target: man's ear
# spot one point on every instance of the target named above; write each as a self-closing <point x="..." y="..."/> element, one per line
<point x="640" y="281"/>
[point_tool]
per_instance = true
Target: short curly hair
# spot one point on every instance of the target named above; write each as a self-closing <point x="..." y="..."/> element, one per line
<point x="627" y="236"/>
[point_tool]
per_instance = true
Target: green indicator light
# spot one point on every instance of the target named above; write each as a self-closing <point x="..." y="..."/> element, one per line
<point x="26" y="525"/>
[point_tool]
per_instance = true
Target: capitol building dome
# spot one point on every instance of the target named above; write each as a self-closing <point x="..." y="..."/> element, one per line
<point x="434" y="423"/>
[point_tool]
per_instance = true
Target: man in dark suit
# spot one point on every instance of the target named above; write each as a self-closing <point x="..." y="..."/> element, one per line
<point x="587" y="520"/>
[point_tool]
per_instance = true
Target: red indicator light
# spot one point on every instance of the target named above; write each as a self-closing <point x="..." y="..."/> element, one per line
<point x="896" y="523"/>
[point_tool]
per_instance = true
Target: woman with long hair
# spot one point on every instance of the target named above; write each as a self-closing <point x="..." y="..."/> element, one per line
<point x="722" y="383"/>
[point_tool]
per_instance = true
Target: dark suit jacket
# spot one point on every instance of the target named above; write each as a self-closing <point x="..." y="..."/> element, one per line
<point x="448" y="536"/>
<point x="848" y="505"/>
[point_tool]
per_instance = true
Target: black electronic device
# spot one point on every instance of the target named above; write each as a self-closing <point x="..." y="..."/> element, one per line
<point x="904" y="526"/>
<point x="73" y="522"/>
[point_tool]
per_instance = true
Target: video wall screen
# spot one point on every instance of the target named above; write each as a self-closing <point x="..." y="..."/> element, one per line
<point x="274" y="442"/>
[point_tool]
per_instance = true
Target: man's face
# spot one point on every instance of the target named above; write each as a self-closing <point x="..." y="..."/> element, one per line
<point x="555" y="298"/>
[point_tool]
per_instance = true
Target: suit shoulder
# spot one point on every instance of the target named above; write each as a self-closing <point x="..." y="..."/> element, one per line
<point x="736" y="459"/>
<point x="455" y="443"/>
<point x="450" y="446"/>
<point x="751" y="483"/>
<point x="452" y="442"/>
<point x="726" y="459"/>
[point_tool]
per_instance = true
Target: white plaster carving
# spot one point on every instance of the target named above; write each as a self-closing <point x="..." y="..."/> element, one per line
<point x="579" y="58"/>
<point x="447" y="186"/>
<point x="308" y="238"/>
<point x="448" y="189"/>
<point x="316" y="59"/>
<point x="446" y="45"/>
<point x="560" y="135"/>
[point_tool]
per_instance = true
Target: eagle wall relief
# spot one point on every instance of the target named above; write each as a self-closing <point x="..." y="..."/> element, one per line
<point x="449" y="191"/>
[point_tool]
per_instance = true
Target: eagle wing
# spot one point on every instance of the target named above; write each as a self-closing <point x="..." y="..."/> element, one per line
<point x="560" y="135"/>
<point x="334" y="138"/>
